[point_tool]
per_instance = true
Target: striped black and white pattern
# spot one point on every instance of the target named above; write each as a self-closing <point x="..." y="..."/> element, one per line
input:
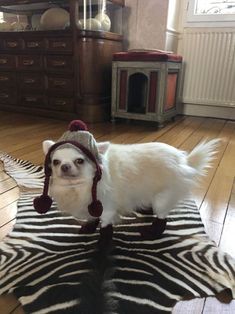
<point x="51" y="268"/>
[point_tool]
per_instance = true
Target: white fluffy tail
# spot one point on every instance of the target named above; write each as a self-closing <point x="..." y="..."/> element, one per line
<point x="202" y="155"/>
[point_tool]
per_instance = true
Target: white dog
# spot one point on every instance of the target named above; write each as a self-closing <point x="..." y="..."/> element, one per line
<point x="134" y="176"/>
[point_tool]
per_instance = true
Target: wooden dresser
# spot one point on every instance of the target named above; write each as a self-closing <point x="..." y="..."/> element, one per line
<point x="58" y="73"/>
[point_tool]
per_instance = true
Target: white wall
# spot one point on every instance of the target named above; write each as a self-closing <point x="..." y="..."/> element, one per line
<point x="145" y="24"/>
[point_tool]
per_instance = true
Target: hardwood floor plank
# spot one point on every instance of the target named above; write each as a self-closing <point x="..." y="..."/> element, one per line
<point x="7" y="184"/>
<point x="18" y="310"/>
<point x="226" y="242"/>
<point x="119" y="130"/>
<point x="9" y="197"/>
<point x="8" y="303"/>
<point x="213" y="306"/>
<point x="177" y="135"/>
<point x="3" y="176"/>
<point x="226" y="133"/>
<point x="4" y="230"/>
<point x="10" y="145"/>
<point x="215" y="203"/>
<point x="213" y="230"/>
<point x="130" y="136"/>
<point x="156" y="134"/>
<point x="189" y="307"/>
<point x="202" y="133"/>
<point x="8" y="213"/>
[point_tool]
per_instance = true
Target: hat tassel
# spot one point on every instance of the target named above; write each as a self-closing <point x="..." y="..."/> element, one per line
<point x="95" y="209"/>
<point x="43" y="202"/>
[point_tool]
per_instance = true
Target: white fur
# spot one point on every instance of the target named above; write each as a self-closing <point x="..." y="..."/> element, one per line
<point x="134" y="176"/>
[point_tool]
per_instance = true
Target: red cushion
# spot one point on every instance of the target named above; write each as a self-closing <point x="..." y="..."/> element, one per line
<point x="146" y="56"/>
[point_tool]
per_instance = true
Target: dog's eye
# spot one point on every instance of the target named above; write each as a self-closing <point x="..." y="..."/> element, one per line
<point x="56" y="162"/>
<point x="79" y="161"/>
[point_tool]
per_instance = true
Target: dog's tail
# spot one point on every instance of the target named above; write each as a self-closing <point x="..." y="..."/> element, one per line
<point x="202" y="155"/>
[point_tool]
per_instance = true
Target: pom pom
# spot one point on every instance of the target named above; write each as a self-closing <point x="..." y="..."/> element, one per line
<point x="155" y="230"/>
<point x="95" y="209"/>
<point x="42" y="203"/>
<point x="77" y="125"/>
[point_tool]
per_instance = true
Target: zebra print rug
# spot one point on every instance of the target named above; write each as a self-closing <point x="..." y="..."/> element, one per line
<point x="51" y="268"/>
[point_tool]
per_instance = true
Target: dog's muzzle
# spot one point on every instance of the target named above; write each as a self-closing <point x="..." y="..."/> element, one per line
<point x="65" y="168"/>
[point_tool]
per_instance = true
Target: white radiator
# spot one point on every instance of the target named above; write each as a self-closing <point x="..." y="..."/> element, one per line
<point x="209" y="57"/>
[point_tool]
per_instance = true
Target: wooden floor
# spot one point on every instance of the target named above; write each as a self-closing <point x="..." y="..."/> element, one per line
<point x="21" y="137"/>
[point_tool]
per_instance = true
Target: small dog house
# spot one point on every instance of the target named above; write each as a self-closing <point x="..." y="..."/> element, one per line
<point x="145" y="85"/>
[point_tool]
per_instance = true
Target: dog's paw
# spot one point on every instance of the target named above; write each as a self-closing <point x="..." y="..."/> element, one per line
<point x="89" y="227"/>
<point x="106" y="235"/>
<point x="145" y="211"/>
<point x="155" y="230"/>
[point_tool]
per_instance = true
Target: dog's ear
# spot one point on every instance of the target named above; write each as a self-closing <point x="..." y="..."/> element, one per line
<point x="103" y="147"/>
<point x="46" y="145"/>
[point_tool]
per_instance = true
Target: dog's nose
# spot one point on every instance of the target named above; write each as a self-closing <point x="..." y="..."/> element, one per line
<point x="65" y="167"/>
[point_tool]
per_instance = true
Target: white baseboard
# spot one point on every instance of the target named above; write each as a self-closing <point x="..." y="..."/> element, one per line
<point x="208" y="111"/>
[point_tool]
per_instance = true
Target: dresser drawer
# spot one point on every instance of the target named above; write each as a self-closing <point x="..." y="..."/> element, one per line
<point x="61" y="104"/>
<point x="12" y="44"/>
<point x="33" y="100"/>
<point x="34" y="44"/>
<point x="60" y="44"/>
<point x="30" y="62"/>
<point x="7" y="79"/>
<point x="7" y="62"/>
<point x="59" y="63"/>
<point x="8" y="97"/>
<point x="60" y="84"/>
<point x="28" y="81"/>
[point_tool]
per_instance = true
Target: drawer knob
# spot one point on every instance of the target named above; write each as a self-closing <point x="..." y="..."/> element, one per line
<point x="4" y="78"/>
<point x="60" y="102"/>
<point x="31" y="99"/>
<point x="33" y="44"/>
<point x="4" y="95"/>
<point x="3" y="61"/>
<point x="58" y="63"/>
<point x="12" y="44"/>
<point x="59" y="44"/>
<point x="28" y="62"/>
<point x="59" y="83"/>
<point x="29" y="81"/>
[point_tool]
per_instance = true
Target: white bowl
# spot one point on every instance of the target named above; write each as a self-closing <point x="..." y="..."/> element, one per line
<point x="5" y="26"/>
<point x="91" y="24"/>
<point x="54" y="18"/>
<point x="104" y="20"/>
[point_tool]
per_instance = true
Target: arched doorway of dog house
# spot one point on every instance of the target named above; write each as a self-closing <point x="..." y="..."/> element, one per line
<point x="137" y="93"/>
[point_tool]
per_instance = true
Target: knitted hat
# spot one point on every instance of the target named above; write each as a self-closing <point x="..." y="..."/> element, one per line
<point x="78" y="137"/>
<point x="77" y="131"/>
